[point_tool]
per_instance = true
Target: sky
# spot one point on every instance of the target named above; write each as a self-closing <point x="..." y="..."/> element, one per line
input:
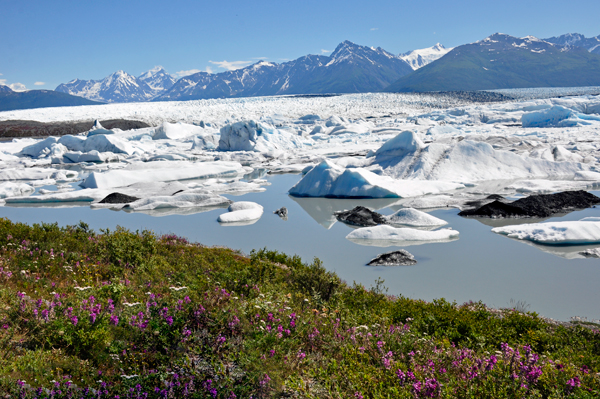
<point x="46" y="43"/>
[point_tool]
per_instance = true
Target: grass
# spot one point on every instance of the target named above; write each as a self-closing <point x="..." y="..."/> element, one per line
<point x="121" y="314"/>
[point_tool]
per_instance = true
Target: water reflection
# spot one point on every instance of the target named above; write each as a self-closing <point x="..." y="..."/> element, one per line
<point x="396" y="243"/>
<point x="158" y="212"/>
<point x="563" y="251"/>
<point x="322" y="209"/>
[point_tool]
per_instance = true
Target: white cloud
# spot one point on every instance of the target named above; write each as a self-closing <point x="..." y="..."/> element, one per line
<point x="325" y="51"/>
<point x="231" y="65"/>
<point x="17" y="86"/>
<point x="13" y="86"/>
<point x="181" y="74"/>
<point x="209" y="69"/>
<point x="374" y="28"/>
<point x="39" y="83"/>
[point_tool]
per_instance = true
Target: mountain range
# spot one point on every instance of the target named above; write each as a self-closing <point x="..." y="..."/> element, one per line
<point x="12" y="100"/>
<point x="502" y="61"/>
<point x="499" y="61"/>
<point x="351" y="68"/>
<point x="592" y="44"/>
<point x="121" y="86"/>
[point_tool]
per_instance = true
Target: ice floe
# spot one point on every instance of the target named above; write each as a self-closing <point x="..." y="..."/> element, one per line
<point x="555" y="233"/>
<point x="384" y="236"/>
<point x="414" y="218"/>
<point x="181" y="200"/>
<point x="330" y="180"/>
<point x="10" y="189"/>
<point x="241" y="213"/>
<point x="161" y="171"/>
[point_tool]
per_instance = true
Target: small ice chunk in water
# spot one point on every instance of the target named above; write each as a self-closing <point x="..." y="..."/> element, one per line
<point x="242" y="212"/>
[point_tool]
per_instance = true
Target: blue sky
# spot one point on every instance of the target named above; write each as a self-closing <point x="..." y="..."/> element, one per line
<point x="45" y="43"/>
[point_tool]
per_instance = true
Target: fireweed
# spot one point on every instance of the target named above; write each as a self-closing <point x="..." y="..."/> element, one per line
<point x="131" y="315"/>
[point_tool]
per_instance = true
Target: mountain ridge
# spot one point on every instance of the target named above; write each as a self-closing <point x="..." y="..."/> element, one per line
<point x="503" y="61"/>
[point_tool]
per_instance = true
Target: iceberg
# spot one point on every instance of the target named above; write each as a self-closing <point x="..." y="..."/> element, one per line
<point x="330" y="180"/>
<point x="10" y="189"/>
<point x="555" y="233"/>
<point x="161" y="172"/>
<point x="176" y="131"/>
<point x="37" y="174"/>
<point x="40" y="148"/>
<point x="463" y="161"/>
<point x="255" y="136"/>
<point x="552" y="117"/>
<point x="414" y="218"/>
<point x="384" y="235"/>
<point x="181" y="200"/>
<point x="242" y="213"/>
<point x="87" y="195"/>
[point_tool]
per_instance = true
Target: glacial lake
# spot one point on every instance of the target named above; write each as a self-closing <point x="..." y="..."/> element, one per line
<point x="480" y="265"/>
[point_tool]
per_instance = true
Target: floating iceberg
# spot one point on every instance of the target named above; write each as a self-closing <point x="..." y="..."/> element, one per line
<point x="182" y="200"/>
<point x="585" y="231"/>
<point x="406" y="157"/>
<point x="384" y="235"/>
<point x="330" y="180"/>
<point x="161" y="171"/>
<point x="242" y="213"/>
<point x="414" y="218"/>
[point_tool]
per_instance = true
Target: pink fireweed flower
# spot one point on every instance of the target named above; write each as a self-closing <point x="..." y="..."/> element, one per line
<point x="265" y="381"/>
<point x="573" y="383"/>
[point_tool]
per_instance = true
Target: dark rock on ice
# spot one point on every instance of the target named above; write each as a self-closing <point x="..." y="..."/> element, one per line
<point x="282" y="212"/>
<point x="361" y="216"/>
<point x="396" y="258"/>
<point x="118" y="198"/>
<point x="481" y="202"/>
<point x="543" y="205"/>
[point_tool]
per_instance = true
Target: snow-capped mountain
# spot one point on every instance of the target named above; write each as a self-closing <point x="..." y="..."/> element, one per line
<point x="351" y="68"/>
<point x="592" y="44"/>
<point x="5" y="89"/>
<point x="502" y="61"/>
<point x="158" y="79"/>
<point x="419" y="58"/>
<point x="120" y="86"/>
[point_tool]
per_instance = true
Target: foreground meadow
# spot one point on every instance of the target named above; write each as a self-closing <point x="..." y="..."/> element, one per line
<point x="120" y="314"/>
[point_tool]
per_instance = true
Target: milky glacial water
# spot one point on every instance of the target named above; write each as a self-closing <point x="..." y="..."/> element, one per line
<point x="480" y="265"/>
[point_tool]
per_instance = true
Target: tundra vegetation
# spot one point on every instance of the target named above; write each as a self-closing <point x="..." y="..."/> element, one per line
<point x="121" y="314"/>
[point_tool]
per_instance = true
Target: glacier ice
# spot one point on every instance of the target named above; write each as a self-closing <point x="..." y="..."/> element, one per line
<point x="180" y="200"/>
<point x="330" y="180"/>
<point x="160" y="171"/>
<point x="242" y="213"/>
<point x="414" y="218"/>
<point x="256" y="136"/>
<point x="555" y="233"/>
<point x="387" y="235"/>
